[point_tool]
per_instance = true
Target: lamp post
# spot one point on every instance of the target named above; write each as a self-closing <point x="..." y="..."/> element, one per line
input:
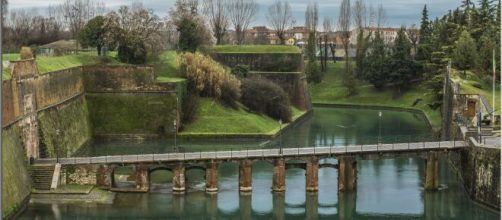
<point x="280" y="136"/>
<point x="57" y="145"/>
<point x="175" y="133"/>
<point x="379" y="126"/>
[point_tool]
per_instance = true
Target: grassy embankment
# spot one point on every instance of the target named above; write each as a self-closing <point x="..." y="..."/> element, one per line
<point x="331" y="91"/>
<point x="215" y="119"/>
<point x="47" y="64"/>
<point x="255" y="49"/>
<point x="470" y="83"/>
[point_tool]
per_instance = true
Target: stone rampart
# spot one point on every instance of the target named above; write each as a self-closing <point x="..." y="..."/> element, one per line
<point x="293" y="83"/>
<point x="281" y="62"/>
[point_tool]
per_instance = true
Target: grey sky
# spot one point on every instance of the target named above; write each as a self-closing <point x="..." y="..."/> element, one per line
<point x="399" y="12"/>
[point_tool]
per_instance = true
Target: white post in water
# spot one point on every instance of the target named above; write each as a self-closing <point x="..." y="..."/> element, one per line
<point x="493" y="88"/>
<point x="379" y="127"/>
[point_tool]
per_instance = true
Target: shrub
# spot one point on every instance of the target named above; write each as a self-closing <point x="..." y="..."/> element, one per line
<point x="134" y="53"/>
<point x="189" y="107"/>
<point x="240" y="71"/>
<point x="230" y="95"/>
<point x="208" y="78"/>
<point x="313" y="72"/>
<point x="266" y="97"/>
<point x="25" y="53"/>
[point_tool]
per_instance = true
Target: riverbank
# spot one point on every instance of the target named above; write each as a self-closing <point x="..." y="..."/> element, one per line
<point x="73" y="194"/>
<point x="217" y="121"/>
<point x="332" y="91"/>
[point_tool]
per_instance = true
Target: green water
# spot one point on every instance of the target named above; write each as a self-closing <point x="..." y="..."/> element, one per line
<point x="386" y="189"/>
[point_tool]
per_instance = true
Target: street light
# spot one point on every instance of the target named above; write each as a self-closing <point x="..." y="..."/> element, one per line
<point x="379" y="126"/>
<point x="280" y="136"/>
<point x="57" y="145"/>
<point x="175" y="132"/>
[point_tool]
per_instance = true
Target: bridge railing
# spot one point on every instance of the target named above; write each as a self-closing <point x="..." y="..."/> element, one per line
<point x="259" y="153"/>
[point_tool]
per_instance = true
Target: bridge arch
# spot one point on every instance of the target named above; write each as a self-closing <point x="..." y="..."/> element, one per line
<point x="161" y="177"/>
<point x="123" y="176"/>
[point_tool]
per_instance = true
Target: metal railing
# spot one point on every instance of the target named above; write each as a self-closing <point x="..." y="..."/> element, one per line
<point x="261" y="153"/>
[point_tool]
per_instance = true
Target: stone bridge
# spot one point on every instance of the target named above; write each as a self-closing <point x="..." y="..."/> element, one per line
<point x="101" y="169"/>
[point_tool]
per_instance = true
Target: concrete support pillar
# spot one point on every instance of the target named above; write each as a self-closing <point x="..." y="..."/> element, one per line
<point x="245" y="206"/>
<point x="312" y="204"/>
<point x="212" y="177"/>
<point x="279" y="180"/>
<point x="346" y="205"/>
<point x="212" y="206"/>
<point x="431" y="171"/>
<point x="312" y="174"/>
<point x="179" y="178"/>
<point x="278" y="200"/>
<point x="142" y="178"/>
<point x="104" y="177"/>
<point x="347" y="173"/>
<point x="245" y="175"/>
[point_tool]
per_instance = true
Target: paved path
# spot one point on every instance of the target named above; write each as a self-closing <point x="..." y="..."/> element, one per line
<point x="265" y="153"/>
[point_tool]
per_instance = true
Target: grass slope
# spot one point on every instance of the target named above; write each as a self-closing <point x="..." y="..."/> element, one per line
<point x="47" y="64"/>
<point x="215" y="119"/>
<point x="255" y="49"/>
<point x="468" y="83"/>
<point x="167" y="67"/>
<point x="331" y="91"/>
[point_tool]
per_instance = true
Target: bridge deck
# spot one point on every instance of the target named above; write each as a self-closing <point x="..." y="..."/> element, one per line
<point x="265" y="153"/>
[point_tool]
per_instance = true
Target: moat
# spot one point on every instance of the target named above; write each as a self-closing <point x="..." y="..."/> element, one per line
<point x="385" y="188"/>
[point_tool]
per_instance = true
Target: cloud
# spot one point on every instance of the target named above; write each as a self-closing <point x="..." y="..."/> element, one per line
<point x="399" y="12"/>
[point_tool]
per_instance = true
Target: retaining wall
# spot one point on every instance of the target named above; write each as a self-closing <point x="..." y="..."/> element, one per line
<point x="281" y="62"/>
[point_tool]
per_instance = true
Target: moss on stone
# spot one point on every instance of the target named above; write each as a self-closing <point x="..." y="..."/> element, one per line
<point x="16" y="181"/>
<point x="132" y="113"/>
<point x="72" y="121"/>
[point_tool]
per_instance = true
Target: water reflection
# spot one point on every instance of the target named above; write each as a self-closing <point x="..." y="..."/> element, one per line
<point x="385" y="188"/>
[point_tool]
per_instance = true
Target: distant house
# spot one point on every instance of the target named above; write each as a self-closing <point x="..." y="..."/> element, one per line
<point x="58" y="48"/>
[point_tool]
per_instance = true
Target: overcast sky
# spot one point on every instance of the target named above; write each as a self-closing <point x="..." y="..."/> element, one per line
<point x="399" y="12"/>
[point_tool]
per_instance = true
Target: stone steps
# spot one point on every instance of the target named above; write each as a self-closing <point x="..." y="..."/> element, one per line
<point x="41" y="176"/>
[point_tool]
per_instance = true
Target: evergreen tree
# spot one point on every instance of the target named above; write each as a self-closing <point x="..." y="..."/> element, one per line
<point x="312" y="69"/>
<point x="424" y="47"/>
<point x="484" y="61"/>
<point x="374" y="64"/>
<point x="464" y="54"/>
<point x="401" y="67"/>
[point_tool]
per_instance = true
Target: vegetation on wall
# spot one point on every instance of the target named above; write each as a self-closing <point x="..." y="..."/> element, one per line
<point x="65" y="129"/>
<point x="16" y="184"/>
<point x="208" y="78"/>
<point x="266" y="97"/>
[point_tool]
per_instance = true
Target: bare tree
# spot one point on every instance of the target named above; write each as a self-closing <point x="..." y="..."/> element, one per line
<point x="381" y="16"/>
<point x="360" y="21"/>
<point x="20" y="23"/>
<point x="359" y="14"/>
<point x="78" y="12"/>
<point x="329" y="29"/>
<point x="241" y="13"/>
<point x="413" y="35"/>
<point x="344" y="28"/>
<point x="312" y="17"/>
<point x="281" y="18"/>
<point x="218" y="17"/>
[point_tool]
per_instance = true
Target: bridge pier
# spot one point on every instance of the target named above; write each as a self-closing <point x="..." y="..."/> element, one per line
<point x="312" y="205"/>
<point x="311" y="174"/>
<point x="279" y="179"/>
<point x="142" y="178"/>
<point x="179" y="178"/>
<point x="212" y="177"/>
<point x="104" y="177"/>
<point x="347" y="173"/>
<point x="431" y="171"/>
<point x="278" y="200"/>
<point x="245" y="175"/>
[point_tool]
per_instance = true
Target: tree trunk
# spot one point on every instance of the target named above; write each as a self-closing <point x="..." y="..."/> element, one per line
<point x="99" y="50"/>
